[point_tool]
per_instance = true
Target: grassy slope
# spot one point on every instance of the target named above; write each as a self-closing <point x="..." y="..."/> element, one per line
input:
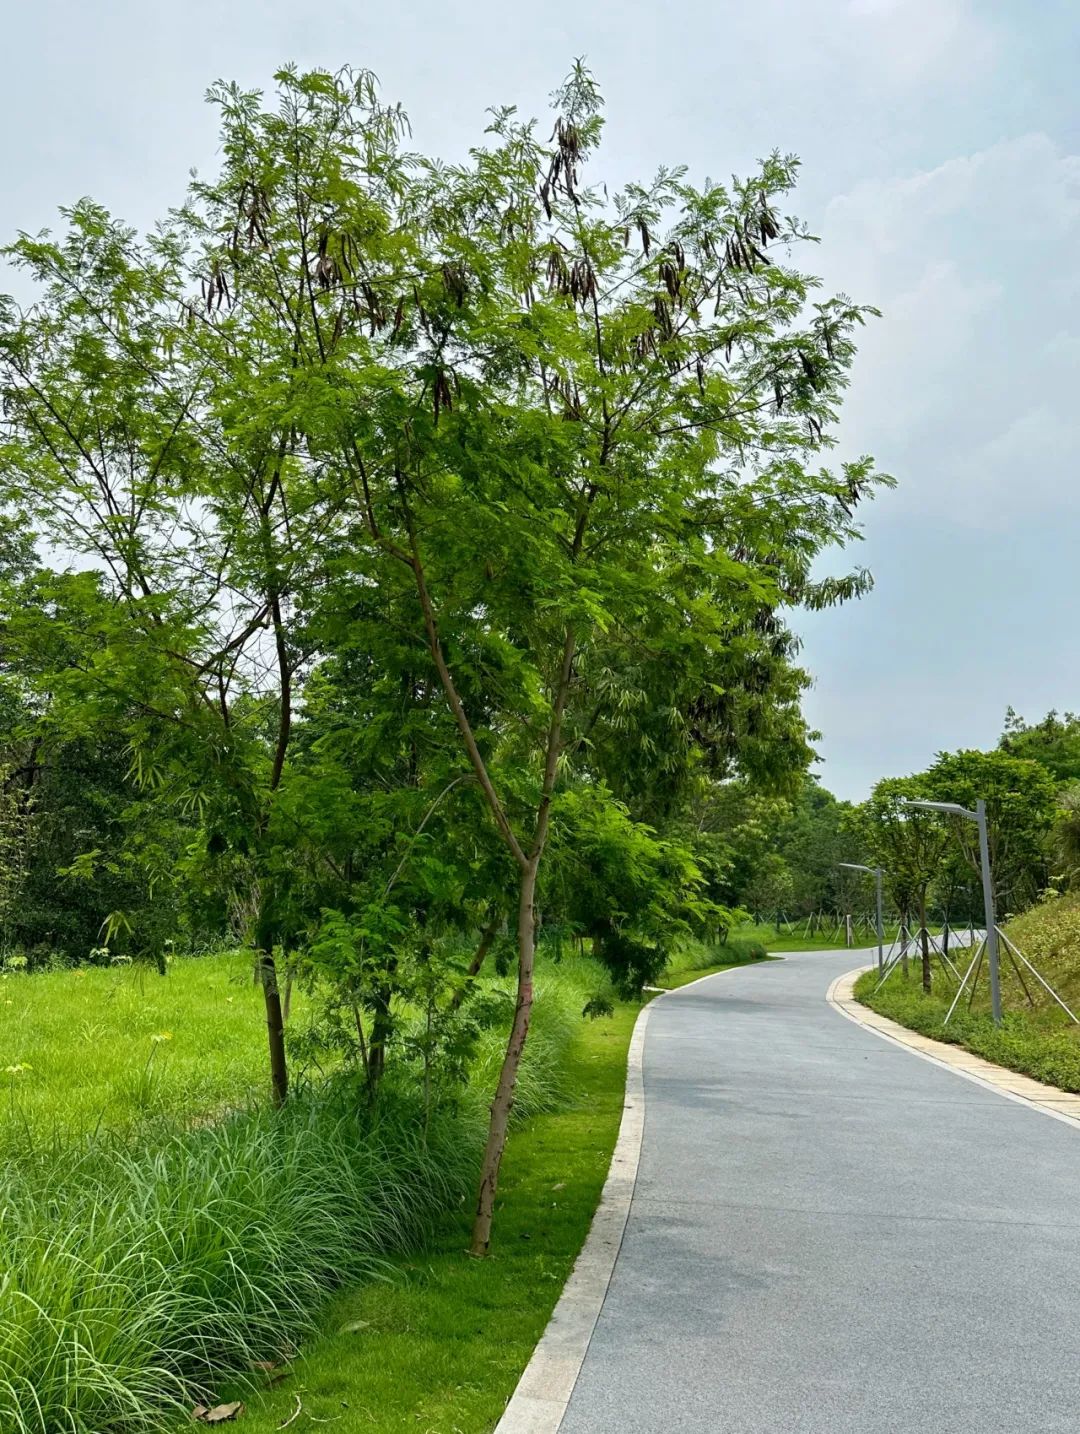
<point x="442" y="1345"/>
<point x="1041" y="1042"/>
<point x="86" y="1040"/>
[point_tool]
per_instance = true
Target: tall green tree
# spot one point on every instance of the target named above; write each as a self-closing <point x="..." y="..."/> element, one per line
<point x="565" y="433"/>
<point x="814" y="839"/>
<point x="1054" y="743"/>
<point x="771" y="888"/>
<point x="146" y="433"/>
<point x="1021" y="806"/>
<point x="603" y="422"/>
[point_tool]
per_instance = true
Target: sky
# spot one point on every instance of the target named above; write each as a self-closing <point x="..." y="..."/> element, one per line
<point x="940" y="142"/>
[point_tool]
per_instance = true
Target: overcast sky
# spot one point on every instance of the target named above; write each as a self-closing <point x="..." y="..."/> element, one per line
<point x="941" y="149"/>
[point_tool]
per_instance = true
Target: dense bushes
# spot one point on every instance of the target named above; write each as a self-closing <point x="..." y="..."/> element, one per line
<point x="134" y="1278"/>
<point x="735" y="951"/>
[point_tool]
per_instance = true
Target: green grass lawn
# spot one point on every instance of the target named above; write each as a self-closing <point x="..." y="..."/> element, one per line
<point x="112" y="1048"/>
<point x="440" y="1345"/>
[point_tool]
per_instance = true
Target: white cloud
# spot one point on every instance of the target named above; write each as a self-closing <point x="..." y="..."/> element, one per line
<point x="966" y="387"/>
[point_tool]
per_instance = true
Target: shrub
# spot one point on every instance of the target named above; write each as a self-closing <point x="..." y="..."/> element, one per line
<point x="133" y="1279"/>
<point x="693" y="955"/>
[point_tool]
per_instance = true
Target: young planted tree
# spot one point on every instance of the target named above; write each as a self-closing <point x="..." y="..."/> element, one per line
<point x="955" y="891"/>
<point x="908" y="844"/>
<point x="394" y="861"/>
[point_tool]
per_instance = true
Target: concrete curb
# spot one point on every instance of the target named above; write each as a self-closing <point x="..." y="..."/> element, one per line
<point x="539" y="1402"/>
<point x="1060" y="1104"/>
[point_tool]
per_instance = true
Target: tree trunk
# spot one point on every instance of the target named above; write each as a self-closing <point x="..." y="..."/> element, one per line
<point x="924" y="938"/>
<point x="266" y="973"/>
<point x="381" y="1025"/>
<point x="487" y="936"/>
<point x="275" y="1028"/>
<point x="361" y="1042"/>
<point x="503" y="1103"/>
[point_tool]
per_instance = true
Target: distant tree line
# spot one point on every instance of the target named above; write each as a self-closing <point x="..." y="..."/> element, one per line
<point x="778" y="856"/>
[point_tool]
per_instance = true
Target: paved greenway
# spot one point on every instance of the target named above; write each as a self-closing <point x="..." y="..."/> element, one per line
<point x="829" y="1234"/>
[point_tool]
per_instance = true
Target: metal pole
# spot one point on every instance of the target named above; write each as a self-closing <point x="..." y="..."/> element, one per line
<point x="988" y="907"/>
<point x="880" y="923"/>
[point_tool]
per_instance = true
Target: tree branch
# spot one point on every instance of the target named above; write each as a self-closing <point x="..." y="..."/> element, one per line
<point x="452" y="696"/>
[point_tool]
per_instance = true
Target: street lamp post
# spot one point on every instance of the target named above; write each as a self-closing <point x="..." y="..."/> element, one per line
<point x="979" y="817"/>
<point x="876" y="871"/>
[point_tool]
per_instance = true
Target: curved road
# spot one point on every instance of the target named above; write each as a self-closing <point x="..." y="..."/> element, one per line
<point x="831" y="1236"/>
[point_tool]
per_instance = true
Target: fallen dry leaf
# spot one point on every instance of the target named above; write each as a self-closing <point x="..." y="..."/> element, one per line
<point x="219" y="1414"/>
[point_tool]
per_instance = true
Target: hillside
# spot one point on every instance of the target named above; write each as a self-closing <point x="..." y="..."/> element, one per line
<point x="1038" y="1039"/>
<point x="1049" y="936"/>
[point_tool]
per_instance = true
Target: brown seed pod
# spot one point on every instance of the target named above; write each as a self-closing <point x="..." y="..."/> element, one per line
<point x="455" y="282"/>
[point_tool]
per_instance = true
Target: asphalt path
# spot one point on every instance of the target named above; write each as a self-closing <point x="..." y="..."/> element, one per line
<point x="829" y="1234"/>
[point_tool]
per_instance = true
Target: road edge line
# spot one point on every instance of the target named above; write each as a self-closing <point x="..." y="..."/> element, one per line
<point x="540" y="1400"/>
<point x="1013" y="1085"/>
